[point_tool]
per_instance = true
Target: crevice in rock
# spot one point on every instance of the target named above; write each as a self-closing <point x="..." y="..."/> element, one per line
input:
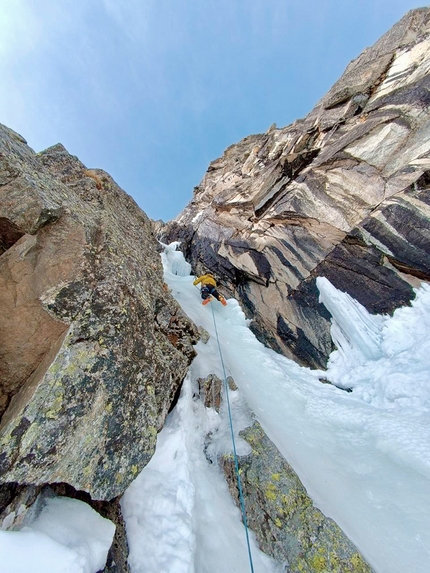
<point x="260" y="212"/>
<point x="175" y="397"/>
<point x="8" y="492"/>
<point x="407" y="269"/>
<point x="290" y="170"/>
<point x="48" y="216"/>
<point x="9" y="234"/>
<point x="373" y="88"/>
<point x="422" y="182"/>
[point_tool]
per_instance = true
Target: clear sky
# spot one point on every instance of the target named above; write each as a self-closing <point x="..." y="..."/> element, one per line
<point x="152" y="90"/>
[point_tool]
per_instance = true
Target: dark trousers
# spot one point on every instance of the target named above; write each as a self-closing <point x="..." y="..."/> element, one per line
<point x="208" y="290"/>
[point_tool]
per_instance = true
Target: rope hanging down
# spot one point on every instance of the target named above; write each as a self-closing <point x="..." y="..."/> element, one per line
<point x="236" y="463"/>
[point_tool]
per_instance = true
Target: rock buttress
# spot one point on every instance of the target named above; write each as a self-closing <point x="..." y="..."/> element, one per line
<point x="93" y="348"/>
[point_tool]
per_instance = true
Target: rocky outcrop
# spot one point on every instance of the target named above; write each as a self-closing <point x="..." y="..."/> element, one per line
<point x="284" y="519"/>
<point x="93" y="347"/>
<point x="342" y="193"/>
<point x="287" y="525"/>
<point x="210" y="390"/>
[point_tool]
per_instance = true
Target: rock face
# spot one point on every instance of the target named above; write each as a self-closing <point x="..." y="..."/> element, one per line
<point x="93" y="347"/>
<point x="279" y="511"/>
<point x="343" y="193"/>
<point x="287" y="525"/>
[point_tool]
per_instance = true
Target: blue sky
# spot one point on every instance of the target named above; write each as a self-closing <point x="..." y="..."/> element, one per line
<point x="153" y="90"/>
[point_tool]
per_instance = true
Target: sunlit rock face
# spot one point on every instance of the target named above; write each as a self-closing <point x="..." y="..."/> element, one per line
<point x="343" y="193"/>
<point x="93" y="347"/>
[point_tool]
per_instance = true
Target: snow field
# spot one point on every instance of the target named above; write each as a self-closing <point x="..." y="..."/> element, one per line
<point x="363" y="456"/>
<point x="179" y="514"/>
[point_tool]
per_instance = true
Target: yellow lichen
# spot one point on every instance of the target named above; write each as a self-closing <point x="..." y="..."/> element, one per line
<point x="87" y="471"/>
<point x="319" y="563"/>
<point x="55" y="408"/>
<point x="152" y="431"/>
<point x="271" y="491"/>
<point x="358" y="563"/>
<point x="334" y="561"/>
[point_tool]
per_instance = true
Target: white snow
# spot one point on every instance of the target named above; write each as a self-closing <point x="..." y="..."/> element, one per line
<point x="179" y="515"/>
<point x="363" y="456"/>
<point x="68" y="536"/>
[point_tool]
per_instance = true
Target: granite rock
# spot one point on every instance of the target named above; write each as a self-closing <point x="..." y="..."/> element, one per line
<point x="93" y="346"/>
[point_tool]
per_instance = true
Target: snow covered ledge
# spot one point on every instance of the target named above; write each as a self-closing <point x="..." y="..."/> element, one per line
<point x="65" y="536"/>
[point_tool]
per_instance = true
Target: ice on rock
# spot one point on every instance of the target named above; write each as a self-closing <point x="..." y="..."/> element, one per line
<point x="355" y="332"/>
<point x="178" y="512"/>
<point x="175" y="260"/>
<point x="363" y="456"/>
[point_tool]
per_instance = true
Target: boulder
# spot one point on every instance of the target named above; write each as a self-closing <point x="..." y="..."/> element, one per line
<point x="93" y="348"/>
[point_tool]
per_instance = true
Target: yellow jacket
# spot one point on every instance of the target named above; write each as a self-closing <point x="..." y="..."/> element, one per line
<point x="205" y="280"/>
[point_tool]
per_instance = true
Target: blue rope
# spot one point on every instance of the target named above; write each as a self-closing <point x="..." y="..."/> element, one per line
<point x="236" y="463"/>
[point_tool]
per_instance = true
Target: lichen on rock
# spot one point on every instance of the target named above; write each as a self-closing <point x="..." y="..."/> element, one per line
<point x="281" y="514"/>
<point x="93" y="347"/>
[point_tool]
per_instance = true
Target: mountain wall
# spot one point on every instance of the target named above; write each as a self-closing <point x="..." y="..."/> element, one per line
<point x="343" y="193"/>
<point x="93" y="346"/>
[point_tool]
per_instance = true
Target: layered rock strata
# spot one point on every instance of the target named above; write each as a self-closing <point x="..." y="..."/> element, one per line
<point x="342" y="193"/>
<point x="93" y="347"/>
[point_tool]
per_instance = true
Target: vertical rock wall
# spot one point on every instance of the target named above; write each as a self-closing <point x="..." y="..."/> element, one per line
<point x="342" y="193"/>
<point x="93" y="347"/>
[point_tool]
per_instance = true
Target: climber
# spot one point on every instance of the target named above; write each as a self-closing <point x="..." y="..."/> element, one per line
<point x="208" y="289"/>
